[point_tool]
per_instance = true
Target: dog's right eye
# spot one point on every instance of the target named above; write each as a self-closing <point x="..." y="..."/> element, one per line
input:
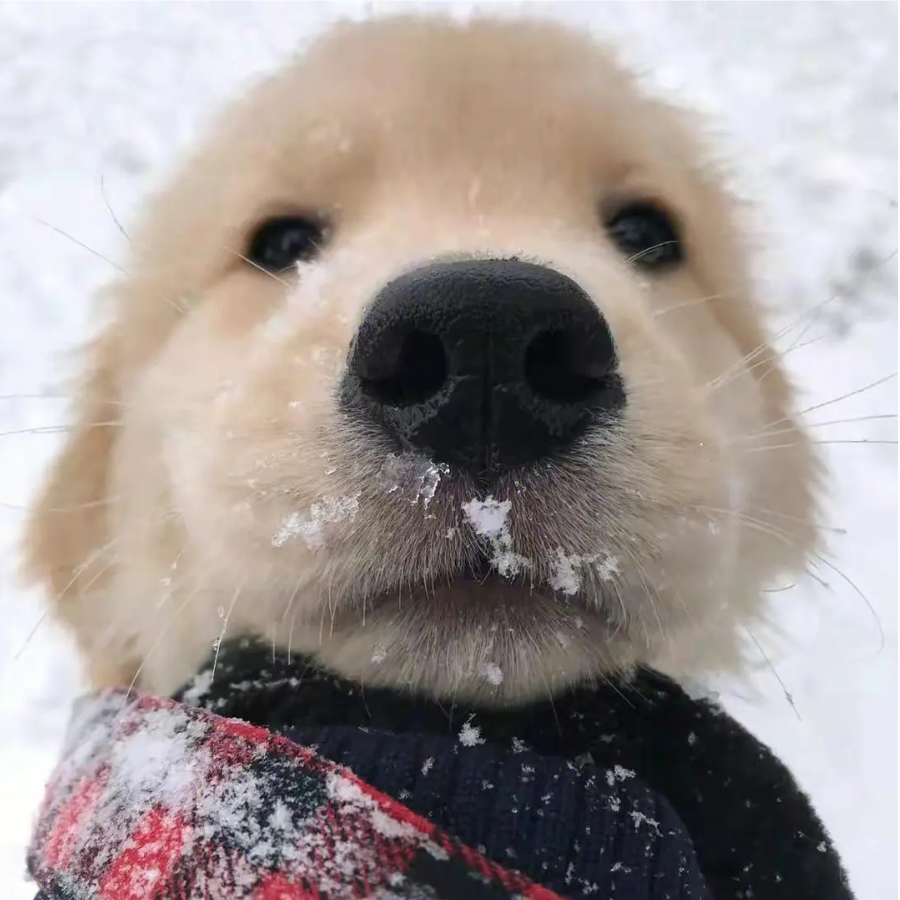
<point x="281" y="243"/>
<point x="647" y="235"/>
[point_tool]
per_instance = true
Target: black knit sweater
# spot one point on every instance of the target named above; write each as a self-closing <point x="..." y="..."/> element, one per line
<point x="628" y="790"/>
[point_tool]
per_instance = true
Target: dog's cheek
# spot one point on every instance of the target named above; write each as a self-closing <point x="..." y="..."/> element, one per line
<point x="674" y="472"/>
<point x="775" y="478"/>
<point x="726" y="522"/>
<point x="771" y="474"/>
<point x="256" y="468"/>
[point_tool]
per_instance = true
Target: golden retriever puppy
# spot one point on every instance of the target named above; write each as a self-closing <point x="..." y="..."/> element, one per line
<point x="438" y="361"/>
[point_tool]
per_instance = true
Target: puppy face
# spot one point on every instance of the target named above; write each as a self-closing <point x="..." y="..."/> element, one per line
<point x="438" y="362"/>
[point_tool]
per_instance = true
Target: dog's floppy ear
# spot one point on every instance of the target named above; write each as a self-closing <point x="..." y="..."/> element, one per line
<point x="67" y="539"/>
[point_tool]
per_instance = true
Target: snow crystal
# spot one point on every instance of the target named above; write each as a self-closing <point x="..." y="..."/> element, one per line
<point x="608" y="568"/>
<point x="436" y="852"/>
<point x="233" y="808"/>
<point x="347" y="793"/>
<point x="414" y="476"/>
<point x="427" y="765"/>
<point x="640" y="818"/>
<point x="337" y="858"/>
<point x="470" y="736"/>
<point x="494" y="674"/>
<point x="620" y="773"/>
<point x="200" y="686"/>
<point x="311" y="527"/>
<point x="565" y="576"/>
<point x="488" y="519"/>
<point x="698" y="690"/>
<point x="157" y="762"/>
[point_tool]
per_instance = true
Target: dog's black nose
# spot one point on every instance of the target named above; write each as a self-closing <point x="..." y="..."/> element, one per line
<point x="486" y="365"/>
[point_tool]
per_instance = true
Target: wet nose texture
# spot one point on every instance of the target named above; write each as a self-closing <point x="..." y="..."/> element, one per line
<point x="487" y="365"/>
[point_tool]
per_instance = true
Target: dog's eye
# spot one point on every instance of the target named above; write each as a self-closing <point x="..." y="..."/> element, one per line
<point x="646" y="234"/>
<point x="280" y="243"/>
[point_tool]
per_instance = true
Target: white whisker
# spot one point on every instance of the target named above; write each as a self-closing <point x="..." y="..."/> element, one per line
<point x="221" y="636"/>
<point x="787" y="693"/>
<point x="83" y="246"/>
<point x="847" y="396"/>
<point x="846" y="578"/>
<point x="771" y="447"/>
<point x="61" y="429"/>
<point x="110" y="210"/>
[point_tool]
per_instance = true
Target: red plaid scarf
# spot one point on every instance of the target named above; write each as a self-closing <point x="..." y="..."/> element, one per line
<point x="155" y="800"/>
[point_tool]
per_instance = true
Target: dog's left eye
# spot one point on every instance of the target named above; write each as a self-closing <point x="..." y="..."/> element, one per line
<point x="280" y="243"/>
<point x="646" y="234"/>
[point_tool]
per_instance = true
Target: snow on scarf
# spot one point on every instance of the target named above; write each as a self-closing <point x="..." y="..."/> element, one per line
<point x="157" y="800"/>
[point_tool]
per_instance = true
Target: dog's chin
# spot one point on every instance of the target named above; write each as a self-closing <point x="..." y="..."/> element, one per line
<point x="477" y="637"/>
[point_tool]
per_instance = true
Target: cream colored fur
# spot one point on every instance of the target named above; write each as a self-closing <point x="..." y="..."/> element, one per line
<point x="229" y="495"/>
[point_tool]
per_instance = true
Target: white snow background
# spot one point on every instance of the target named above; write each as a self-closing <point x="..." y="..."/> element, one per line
<point x="98" y="100"/>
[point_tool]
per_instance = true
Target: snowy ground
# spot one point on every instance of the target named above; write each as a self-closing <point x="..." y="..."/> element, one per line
<point x="97" y="99"/>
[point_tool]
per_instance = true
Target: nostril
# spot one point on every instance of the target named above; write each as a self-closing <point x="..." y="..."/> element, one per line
<point x="566" y="367"/>
<point x="409" y="372"/>
<point x="485" y="365"/>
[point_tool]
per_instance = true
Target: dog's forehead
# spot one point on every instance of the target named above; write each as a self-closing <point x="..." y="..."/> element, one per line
<point x="503" y="120"/>
<point x="461" y="84"/>
<point x="384" y="52"/>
